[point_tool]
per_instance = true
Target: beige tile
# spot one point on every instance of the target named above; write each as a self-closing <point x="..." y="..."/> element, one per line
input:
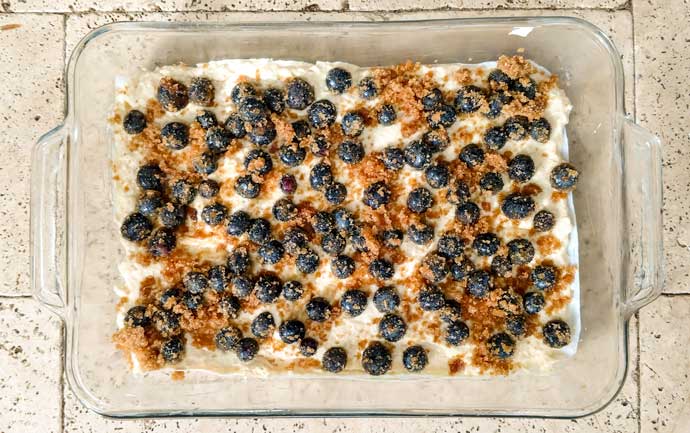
<point x="170" y="5"/>
<point x="30" y="389"/>
<point x="395" y="5"/>
<point x="31" y="103"/>
<point x="662" y="39"/>
<point x="664" y="366"/>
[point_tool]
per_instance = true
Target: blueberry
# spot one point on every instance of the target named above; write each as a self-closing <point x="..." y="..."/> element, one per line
<point x="333" y="243"/>
<point x="478" y="283"/>
<point x="526" y="86"/>
<point x="451" y="311"/>
<point x="172" y="350"/>
<point x="392" y="238"/>
<point x="353" y="302"/>
<point x="136" y="316"/>
<point x="288" y="183"/>
<point x="307" y="261"/>
<point x="258" y="162"/>
<point x="294" y="240"/>
<point x="443" y="115"/>
<point x="469" y="99"/>
<point x="492" y="182"/>
<point x="392" y="327"/>
<point x="381" y="269"/>
<point x="415" y="359"/>
<point x="509" y="302"/>
<point x="242" y="286"/>
<point x="195" y="282"/>
<point x="136" y="227"/>
<point x="293" y="290"/>
<point x="172" y="95"/>
<point x="218" y="277"/>
<point x="434" y="268"/>
<point x="376" y="195"/>
<point x="420" y="200"/>
<point x="235" y="126"/>
<point x="274" y="99"/>
<point x="420" y="233"/>
<point x="267" y="288"/>
<point x="238" y="261"/>
<point x="284" y="210"/>
<point x="358" y="241"/>
<point x="227" y="338"/>
<point x="263" y="133"/>
<point x="367" y="88"/>
<point x="436" y="139"/>
<point x="472" y="155"/>
<point x="499" y="80"/>
<point x="431" y="298"/>
<point x="170" y="297"/>
<point x="495" y="103"/>
<point x="486" y="244"/>
<point x="205" y="163"/>
<point x="263" y="325"/>
<point x="393" y="158"/>
<point x="167" y="322"/>
<point x="321" y="114"/>
<point x="192" y="300"/>
<point x="564" y="177"/>
<point x="291" y="331"/>
<point x="543" y="277"/>
<point x="301" y="130"/>
<point x="467" y="213"/>
<point x="335" y="193"/>
<point x="501" y="266"/>
<point x="320" y="146"/>
<point x="201" y="91"/>
<point x="338" y="80"/>
<point x="271" y="252"/>
<point x="386" y="115"/>
<point x="501" y="345"/>
<point x="150" y="177"/>
<point x="246" y="187"/>
<point x="458" y="192"/>
<point x="214" y="214"/>
<point x="206" y="119"/>
<point x="300" y="94"/>
<point x="242" y="91"/>
<point x="556" y="333"/>
<point x="334" y="360"/>
<point x="543" y="221"/>
<point x="351" y="151"/>
<point x="520" y="251"/>
<point x="318" y="309"/>
<point x="342" y="267"/>
<point x="238" y="223"/>
<point x="521" y="168"/>
<point x="308" y="346"/>
<point x="162" y="242"/>
<point x="437" y="175"/>
<point x="432" y="99"/>
<point x="515" y="324"/>
<point x="456" y="333"/>
<point x="352" y="124"/>
<point x="533" y="302"/>
<point x="252" y="110"/>
<point x="320" y="176"/>
<point x="450" y="246"/>
<point x="150" y="203"/>
<point x="376" y="359"/>
<point x="230" y="305"/>
<point x="540" y="130"/>
<point x="292" y="155"/>
<point x="418" y="155"/>
<point x="323" y="222"/>
<point x="172" y="215"/>
<point x="495" y="138"/>
<point x="209" y="188"/>
<point x="460" y="269"/>
<point x="516" y="206"/>
<point x="246" y="349"/>
<point x="218" y="139"/>
<point x="386" y="299"/>
<point x="135" y="122"/>
<point x="516" y="127"/>
<point x="344" y="219"/>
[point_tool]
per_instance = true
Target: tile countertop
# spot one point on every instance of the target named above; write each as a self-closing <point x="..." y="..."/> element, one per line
<point x="37" y="35"/>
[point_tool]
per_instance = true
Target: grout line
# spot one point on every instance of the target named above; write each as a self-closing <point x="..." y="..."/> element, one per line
<point x="13" y="296"/>
<point x="63" y="325"/>
<point x="639" y="375"/>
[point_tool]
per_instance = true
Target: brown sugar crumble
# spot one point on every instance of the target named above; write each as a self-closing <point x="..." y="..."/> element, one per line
<point x="259" y="268"/>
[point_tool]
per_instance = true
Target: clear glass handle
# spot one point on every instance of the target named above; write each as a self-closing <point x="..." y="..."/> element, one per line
<point x="47" y="222"/>
<point x="643" y="201"/>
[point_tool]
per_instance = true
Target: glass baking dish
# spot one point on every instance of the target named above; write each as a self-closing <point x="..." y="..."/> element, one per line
<point x="76" y="245"/>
